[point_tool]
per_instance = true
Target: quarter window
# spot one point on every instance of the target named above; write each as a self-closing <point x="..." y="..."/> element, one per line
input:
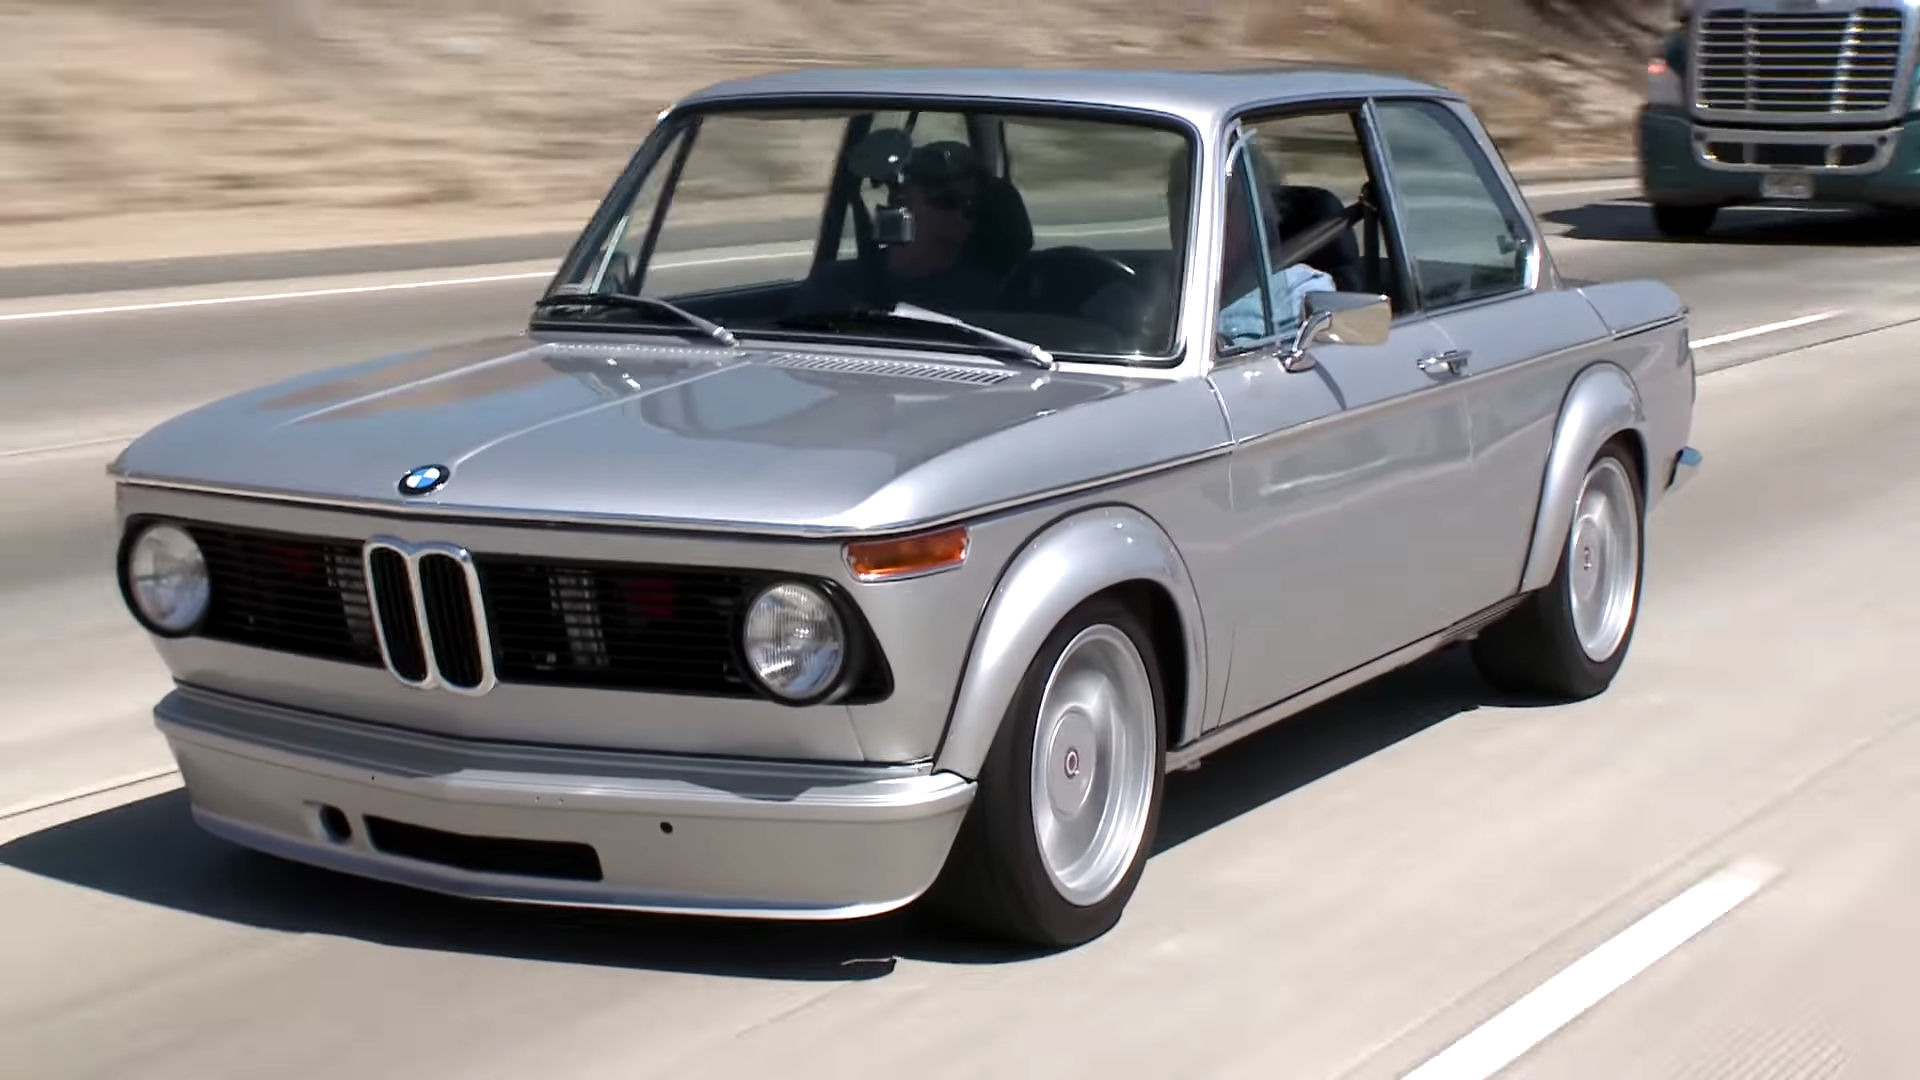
<point x="1463" y="238"/>
<point x="1247" y="314"/>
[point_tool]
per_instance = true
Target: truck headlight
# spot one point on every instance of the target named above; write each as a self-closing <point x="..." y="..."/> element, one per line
<point x="1663" y="84"/>
<point x="795" y="642"/>
<point x="166" y="580"/>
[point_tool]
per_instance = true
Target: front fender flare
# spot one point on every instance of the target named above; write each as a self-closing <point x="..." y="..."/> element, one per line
<point x="1601" y="403"/>
<point x="1061" y="566"/>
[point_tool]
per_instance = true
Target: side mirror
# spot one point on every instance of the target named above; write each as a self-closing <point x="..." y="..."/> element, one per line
<point x="1338" y="318"/>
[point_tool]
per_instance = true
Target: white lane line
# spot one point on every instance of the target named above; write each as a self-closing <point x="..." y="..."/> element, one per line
<point x="1522" y="1025"/>
<point x="1767" y="328"/>
<point x="256" y="298"/>
<point x="89" y="791"/>
<point x="1550" y="188"/>
<point x="54" y="448"/>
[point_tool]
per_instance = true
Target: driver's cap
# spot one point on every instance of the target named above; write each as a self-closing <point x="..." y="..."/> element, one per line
<point x="940" y="163"/>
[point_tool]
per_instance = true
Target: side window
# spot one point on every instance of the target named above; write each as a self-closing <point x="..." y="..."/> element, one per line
<point x="1461" y="232"/>
<point x="1317" y="177"/>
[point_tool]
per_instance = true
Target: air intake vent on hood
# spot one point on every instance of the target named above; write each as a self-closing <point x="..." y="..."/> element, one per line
<point x="899" y="369"/>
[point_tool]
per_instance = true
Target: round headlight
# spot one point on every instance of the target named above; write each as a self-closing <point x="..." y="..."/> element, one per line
<point x="794" y="641"/>
<point x="167" y="579"/>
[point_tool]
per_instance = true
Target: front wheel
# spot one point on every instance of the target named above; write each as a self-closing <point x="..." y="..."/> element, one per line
<point x="1069" y="796"/>
<point x="1569" y="639"/>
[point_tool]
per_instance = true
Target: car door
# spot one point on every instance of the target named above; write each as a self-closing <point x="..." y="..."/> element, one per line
<point x="1349" y="479"/>
<point x="1477" y="265"/>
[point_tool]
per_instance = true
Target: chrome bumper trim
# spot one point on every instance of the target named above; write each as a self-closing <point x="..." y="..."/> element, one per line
<point x="1884" y="142"/>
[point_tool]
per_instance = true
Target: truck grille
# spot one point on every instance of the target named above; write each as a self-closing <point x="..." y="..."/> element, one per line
<point x="671" y="629"/>
<point x="1813" y="62"/>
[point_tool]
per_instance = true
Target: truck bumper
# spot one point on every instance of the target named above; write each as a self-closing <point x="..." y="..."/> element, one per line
<point x="563" y="826"/>
<point x="1677" y="166"/>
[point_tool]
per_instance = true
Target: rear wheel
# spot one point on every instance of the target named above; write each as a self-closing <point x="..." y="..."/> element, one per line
<point x="1569" y="639"/>
<point x="1674" y="220"/>
<point x="1070" y="793"/>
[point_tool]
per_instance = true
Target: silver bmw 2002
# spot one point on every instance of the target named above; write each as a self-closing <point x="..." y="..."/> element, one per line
<point x="903" y="471"/>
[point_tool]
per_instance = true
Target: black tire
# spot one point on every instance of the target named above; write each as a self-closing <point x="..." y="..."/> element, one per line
<point x="1673" y="220"/>
<point x="994" y="881"/>
<point x="1535" y="649"/>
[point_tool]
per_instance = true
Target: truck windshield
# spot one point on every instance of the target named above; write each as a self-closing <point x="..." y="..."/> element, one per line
<point x="1052" y="229"/>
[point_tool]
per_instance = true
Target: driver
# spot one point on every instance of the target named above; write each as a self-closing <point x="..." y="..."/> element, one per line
<point x="940" y="183"/>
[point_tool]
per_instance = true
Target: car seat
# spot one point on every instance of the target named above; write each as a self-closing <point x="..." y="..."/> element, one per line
<point x="1303" y="206"/>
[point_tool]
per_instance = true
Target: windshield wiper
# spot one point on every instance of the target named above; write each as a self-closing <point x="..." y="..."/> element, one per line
<point x="1029" y="353"/>
<point x="644" y="303"/>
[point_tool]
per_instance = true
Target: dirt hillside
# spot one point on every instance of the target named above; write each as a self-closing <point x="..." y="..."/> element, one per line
<point x="508" y="115"/>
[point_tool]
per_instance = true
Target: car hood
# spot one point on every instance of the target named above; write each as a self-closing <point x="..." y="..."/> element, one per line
<point x="675" y="433"/>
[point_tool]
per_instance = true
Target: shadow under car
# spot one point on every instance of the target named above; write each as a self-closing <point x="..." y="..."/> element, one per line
<point x="152" y="852"/>
<point x="1631" y="221"/>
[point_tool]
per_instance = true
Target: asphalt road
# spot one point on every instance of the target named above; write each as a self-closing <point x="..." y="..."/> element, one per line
<point x="1346" y="896"/>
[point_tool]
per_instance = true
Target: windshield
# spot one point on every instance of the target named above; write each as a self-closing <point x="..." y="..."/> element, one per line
<point x="1048" y="228"/>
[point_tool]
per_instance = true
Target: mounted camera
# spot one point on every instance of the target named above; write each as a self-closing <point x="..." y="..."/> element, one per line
<point x="880" y="159"/>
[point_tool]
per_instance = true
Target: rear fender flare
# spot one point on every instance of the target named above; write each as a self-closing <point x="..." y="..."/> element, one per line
<point x="1601" y="403"/>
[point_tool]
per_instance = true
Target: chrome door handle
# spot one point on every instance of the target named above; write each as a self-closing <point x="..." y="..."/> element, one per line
<point x="1451" y="362"/>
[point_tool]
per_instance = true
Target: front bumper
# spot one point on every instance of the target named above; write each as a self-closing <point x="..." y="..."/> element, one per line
<point x="1674" y="171"/>
<point x="553" y="825"/>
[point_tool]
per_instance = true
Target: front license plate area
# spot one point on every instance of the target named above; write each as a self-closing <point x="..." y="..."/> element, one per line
<point x="1787" y="184"/>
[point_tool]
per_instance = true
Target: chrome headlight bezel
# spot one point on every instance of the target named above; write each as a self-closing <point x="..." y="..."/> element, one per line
<point x="131" y="548"/>
<point x="851" y="635"/>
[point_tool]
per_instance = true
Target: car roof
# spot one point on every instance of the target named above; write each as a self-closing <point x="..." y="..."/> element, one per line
<point x="1202" y="97"/>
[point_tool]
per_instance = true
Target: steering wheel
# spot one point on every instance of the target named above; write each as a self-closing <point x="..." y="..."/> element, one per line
<point x="1060" y="280"/>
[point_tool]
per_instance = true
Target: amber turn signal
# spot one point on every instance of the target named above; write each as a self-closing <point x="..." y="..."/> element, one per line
<point x="883" y="560"/>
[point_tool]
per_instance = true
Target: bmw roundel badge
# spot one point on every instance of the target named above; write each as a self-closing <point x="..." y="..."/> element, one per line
<point x="424" y="480"/>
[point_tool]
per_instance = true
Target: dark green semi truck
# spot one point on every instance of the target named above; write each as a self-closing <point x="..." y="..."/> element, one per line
<point x="1781" y="101"/>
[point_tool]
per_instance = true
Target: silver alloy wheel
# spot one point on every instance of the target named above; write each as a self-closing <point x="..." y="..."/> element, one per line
<point x="1603" y="559"/>
<point x="1092" y="772"/>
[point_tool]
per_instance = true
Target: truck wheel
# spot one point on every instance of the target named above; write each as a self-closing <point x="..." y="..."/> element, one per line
<point x="1674" y="220"/>
<point x="1569" y="639"/>
<point x="1069" y="797"/>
